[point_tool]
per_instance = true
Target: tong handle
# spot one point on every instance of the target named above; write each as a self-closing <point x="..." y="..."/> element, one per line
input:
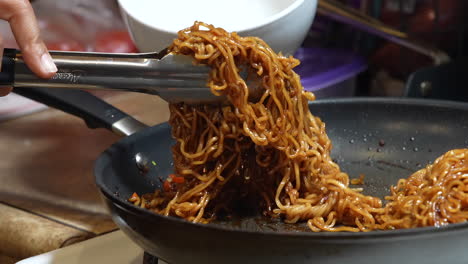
<point x="7" y="66"/>
<point x="82" y="70"/>
<point x="160" y="73"/>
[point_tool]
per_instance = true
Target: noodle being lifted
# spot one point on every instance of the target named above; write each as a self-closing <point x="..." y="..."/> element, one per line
<point x="272" y="151"/>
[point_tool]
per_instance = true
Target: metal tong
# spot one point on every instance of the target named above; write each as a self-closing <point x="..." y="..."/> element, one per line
<point x="175" y="78"/>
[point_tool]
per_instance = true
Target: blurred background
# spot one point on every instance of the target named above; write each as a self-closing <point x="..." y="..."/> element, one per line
<point x="391" y="69"/>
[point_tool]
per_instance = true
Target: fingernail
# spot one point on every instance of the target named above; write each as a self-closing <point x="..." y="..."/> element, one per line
<point x="47" y="63"/>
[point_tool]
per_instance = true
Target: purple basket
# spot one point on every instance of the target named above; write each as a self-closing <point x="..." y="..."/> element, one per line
<point x="329" y="72"/>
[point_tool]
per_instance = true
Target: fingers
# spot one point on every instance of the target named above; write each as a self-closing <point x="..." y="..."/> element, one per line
<point x="20" y="15"/>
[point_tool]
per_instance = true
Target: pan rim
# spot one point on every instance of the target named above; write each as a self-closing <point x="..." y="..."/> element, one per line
<point x="323" y="236"/>
<point x="104" y="161"/>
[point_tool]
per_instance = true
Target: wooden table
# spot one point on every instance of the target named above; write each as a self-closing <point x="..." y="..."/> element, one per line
<point x="48" y="198"/>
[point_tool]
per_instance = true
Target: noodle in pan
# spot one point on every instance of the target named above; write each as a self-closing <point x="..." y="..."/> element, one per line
<point x="272" y="154"/>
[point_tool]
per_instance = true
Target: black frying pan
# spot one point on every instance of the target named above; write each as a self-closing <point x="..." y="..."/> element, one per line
<point x="385" y="139"/>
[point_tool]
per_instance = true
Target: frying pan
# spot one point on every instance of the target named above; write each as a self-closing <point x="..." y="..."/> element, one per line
<point x="383" y="138"/>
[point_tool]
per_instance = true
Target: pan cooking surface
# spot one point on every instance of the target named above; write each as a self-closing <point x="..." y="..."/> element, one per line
<point x="384" y="139"/>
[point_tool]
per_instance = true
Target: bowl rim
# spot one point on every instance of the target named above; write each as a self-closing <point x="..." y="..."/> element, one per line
<point x="123" y="5"/>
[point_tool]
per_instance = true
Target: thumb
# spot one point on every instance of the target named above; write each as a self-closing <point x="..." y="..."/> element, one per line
<point x="20" y="15"/>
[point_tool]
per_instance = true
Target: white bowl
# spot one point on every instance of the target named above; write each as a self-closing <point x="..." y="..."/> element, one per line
<point x="283" y="24"/>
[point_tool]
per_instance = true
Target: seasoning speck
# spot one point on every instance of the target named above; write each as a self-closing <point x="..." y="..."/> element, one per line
<point x="381" y="143"/>
<point x="358" y="181"/>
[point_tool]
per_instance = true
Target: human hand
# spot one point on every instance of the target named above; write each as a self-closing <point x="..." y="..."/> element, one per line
<point x="20" y="15"/>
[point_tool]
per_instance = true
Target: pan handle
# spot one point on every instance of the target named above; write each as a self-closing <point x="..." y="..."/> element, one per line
<point x="94" y="111"/>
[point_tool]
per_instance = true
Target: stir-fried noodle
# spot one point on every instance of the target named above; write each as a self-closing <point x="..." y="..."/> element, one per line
<point x="272" y="153"/>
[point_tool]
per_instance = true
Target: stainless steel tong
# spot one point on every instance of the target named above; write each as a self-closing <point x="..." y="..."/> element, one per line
<point x="175" y="78"/>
